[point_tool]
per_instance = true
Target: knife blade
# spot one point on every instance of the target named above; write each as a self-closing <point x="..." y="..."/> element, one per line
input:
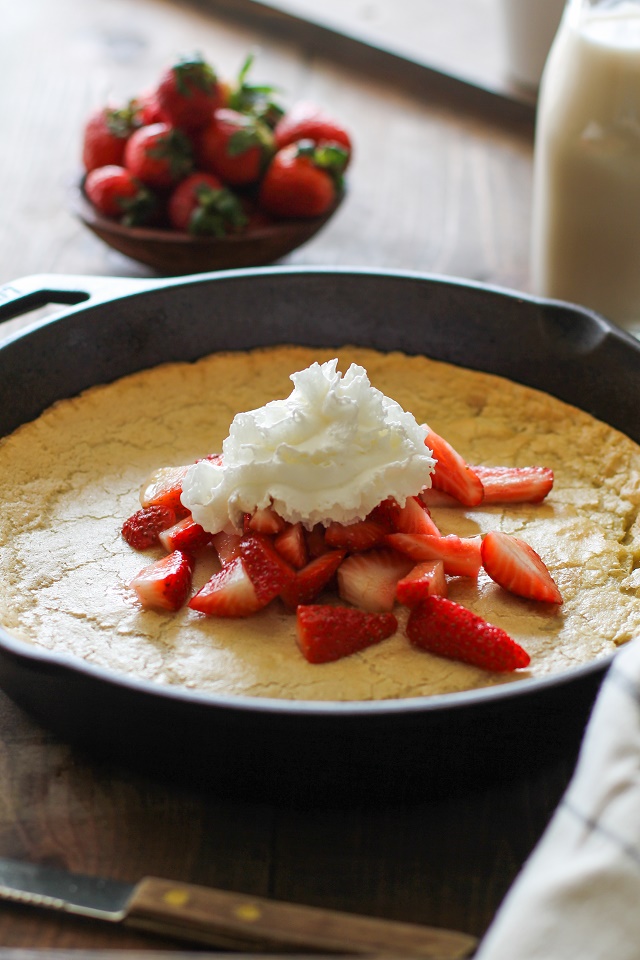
<point x="224" y="919"/>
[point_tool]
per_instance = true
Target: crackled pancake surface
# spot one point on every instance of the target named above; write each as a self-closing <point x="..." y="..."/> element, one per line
<point x="69" y="479"/>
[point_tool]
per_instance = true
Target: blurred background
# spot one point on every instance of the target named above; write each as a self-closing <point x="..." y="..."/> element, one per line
<point x="439" y="182"/>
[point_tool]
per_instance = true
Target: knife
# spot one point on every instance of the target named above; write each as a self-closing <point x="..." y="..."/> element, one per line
<point x="224" y="919"/>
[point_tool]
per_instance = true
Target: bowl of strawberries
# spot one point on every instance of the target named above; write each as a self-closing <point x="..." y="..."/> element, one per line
<point x="200" y="174"/>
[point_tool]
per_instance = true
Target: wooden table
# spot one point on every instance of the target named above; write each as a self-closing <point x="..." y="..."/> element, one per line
<point x="440" y="183"/>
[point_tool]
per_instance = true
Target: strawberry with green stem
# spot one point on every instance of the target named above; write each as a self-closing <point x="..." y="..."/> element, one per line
<point x="303" y="180"/>
<point x="188" y="93"/>
<point x="308" y="121"/>
<point x="116" y="193"/>
<point x="202" y="206"/>
<point x="159" y="155"/>
<point x="235" y="147"/>
<point x="105" y="135"/>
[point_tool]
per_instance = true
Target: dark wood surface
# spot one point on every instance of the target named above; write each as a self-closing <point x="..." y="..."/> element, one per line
<point x="435" y="187"/>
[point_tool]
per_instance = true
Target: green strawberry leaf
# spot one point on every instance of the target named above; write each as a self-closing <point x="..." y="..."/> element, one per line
<point x="331" y="157"/>
<point x="121" y="122"/>
<point x="194" y="73"/>
<point x="219" y="212"/>
<point x="255" y="99"/>
<point x="174" y="147"/>
<point x="139" y="209"/>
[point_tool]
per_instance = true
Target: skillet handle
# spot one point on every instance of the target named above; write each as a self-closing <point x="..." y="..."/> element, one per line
<point x="29" y="293"/>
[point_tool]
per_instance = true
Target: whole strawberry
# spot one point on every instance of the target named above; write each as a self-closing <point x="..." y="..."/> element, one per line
<point x="302" y="180"/>
<point x="159" y="155"/>
<point x="203" y="206"/>
<point x="105" y="136"/>
<point x="117" y="194"/>
<point x="308" y="121"/>
<point x="235" y="147"/>
<point x="188" y="93"/>
<point x="450" y="630"/>
<point x="147" y="109"/>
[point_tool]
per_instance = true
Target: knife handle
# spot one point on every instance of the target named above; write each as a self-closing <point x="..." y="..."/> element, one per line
<point x="239" y="922"/>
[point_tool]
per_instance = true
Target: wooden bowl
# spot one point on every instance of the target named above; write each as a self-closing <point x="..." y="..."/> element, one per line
<point x="176" y="254"/>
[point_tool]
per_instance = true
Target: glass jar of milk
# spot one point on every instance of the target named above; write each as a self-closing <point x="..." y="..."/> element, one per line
<point x="586" y="189"/>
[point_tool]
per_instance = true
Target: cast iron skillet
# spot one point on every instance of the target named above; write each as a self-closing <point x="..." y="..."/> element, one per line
<point x="278" y="749"/>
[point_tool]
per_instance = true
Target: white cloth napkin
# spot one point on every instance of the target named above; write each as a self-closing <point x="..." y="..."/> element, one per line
<point x="578" y="895"/>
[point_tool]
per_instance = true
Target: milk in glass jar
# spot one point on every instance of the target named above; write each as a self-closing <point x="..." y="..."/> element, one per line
<point x="586" y="190"/>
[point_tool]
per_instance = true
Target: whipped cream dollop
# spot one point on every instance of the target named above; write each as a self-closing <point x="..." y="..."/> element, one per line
<point x="332" y="451"/>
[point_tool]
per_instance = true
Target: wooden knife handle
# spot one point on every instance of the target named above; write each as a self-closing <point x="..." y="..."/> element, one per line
<point x="239" y="922"/>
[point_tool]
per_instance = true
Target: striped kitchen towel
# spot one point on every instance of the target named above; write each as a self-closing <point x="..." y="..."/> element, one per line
<point x="578" y="895"/>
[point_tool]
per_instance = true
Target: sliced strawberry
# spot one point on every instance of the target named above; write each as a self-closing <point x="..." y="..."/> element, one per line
<point x="438" y="498"/>
<point x="368" y="580"/>
<point x="227" y="546"/>
<point x="186" y="534"/>
<point x="316" y="543"/>
<point x="164" y="584"/>
<point x="327" y="633"/>
<point x="386" y="513"/>
<point x="141" y="529"/>
<point x="426" y="578"/>
<point x="292" y="545"/>
<point x="268" y="571"/>
<point x="515" y="484"/>
<point x="312" y="579"/>
<point x="450" y="630"/>
<point x="517" y="567"/>
<point x="266" y="521"/>
<point x="461" y="555"/>
<point x="164" y="487"/>
<point x="452" y="473"/>
<point x="415" y="518"/>
<point x="355" y="537"/>
<point x="229" y="593"/>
